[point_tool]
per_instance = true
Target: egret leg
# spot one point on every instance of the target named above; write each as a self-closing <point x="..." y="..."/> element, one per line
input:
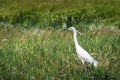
<point x="83" y="65"/>
<point x="82" y="61"/>
<point x="86" y="67"/>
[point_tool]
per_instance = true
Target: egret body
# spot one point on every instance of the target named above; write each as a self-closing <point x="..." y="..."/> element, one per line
<point x="83" y="55"/>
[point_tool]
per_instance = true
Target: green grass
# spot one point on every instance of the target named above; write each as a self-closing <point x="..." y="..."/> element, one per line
<point x="54" y="13"/>
<point x="36" y="54"/>
<point x="33" y="47"/>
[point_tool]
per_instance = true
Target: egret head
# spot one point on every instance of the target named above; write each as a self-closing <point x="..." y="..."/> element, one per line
<point x="71" y="28"/>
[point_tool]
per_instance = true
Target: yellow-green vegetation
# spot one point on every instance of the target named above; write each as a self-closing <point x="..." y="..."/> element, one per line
<point x="34" y="47"/>
<point x="50" y="55"/>
<point x="52" y="13"/>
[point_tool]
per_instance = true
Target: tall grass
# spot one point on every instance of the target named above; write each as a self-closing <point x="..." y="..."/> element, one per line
<point x="53" y="13"/>
<point x="35" y="48"/>
<point x="38" y="54"/>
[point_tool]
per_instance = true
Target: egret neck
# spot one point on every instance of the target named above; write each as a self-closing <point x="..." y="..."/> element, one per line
<point x="75" y="38"/>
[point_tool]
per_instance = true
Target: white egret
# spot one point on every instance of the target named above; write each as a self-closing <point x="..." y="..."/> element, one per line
<point x="83" y="55"/>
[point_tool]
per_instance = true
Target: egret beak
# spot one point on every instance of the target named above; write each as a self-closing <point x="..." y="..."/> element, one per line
<point x="79" y="32"/>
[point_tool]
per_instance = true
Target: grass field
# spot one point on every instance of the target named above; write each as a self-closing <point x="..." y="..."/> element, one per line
<point x="50" y="54"/>
<point x="54" y="13"/>
<point x="34" y="47"/>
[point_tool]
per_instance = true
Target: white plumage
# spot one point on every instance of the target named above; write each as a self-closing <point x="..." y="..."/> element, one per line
<point x="83" y="55"/>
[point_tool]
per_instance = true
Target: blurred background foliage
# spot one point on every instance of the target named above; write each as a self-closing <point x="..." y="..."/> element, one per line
<point x="53" y="13"/>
